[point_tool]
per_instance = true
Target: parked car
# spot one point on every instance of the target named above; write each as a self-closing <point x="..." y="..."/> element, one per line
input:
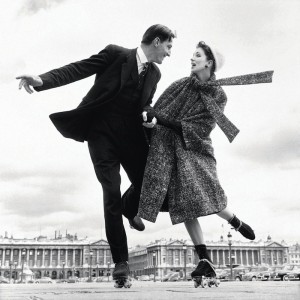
<point x="286" y="269"/>
<point x="144" y="278"/>
<point x="269" y="274"/>
<point x="292" y="275"/>
<point x="44" y="280"/>
<point x="3" y="279"/>
<point x="167" y="276"/>
<point x="253" y="273"/>
<point x="73" y="279"/>
<point x="222" y="275"/>
<point x="174" y="277"/>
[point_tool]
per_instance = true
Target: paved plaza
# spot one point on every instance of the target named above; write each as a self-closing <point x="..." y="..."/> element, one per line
<point x="270" y="290"/>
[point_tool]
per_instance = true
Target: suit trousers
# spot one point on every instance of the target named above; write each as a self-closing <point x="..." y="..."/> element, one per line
<point x="114" y="141"/>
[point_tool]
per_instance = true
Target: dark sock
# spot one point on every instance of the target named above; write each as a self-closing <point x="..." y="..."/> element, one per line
<point x="202" y="252"/>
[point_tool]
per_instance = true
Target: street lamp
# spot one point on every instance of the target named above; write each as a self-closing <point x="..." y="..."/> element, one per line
<point x="108" y="270"/>
<point x="23" y="258"/>
<point x="154" y="265"/>
<point x="184" y="253"/>
<point x="229" y="236"/>
<point x="10" y="266"/>
<point x="15" y="264"/>
<point x="91" y="253"/>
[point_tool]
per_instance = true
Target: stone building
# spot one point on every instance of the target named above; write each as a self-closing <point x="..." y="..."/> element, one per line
<point x="60" y="257"/>
<point x="294" y="254"/>
<point x="163" y="256"/>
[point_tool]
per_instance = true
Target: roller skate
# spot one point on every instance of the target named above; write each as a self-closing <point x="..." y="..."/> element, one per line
<point x="205" y="275"/>
<point x="121" y="275"/>
<point x="242" y="227"/>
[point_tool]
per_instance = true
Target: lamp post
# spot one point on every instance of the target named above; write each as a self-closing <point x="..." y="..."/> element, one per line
<point x="23" y="258"/>
<point x="10" y="274"/>
<point x="64" y="263"/>
<point x="154" y="265"/>
<point x="184" y="253"/>
<point x="91" y="253"/>
<point x="15" y="265"/>
<point x="108" y="271"/>
<point x="229" y="236"/>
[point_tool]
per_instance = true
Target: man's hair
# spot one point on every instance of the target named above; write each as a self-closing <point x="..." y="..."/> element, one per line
<point x="162" y="32"/>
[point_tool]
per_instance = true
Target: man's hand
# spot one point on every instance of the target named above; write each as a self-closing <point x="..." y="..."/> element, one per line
<point x="148" y="124"/>
<point x="29" y="80"/>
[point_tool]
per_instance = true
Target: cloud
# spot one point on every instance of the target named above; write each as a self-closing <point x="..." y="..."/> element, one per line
<point x="281" y="148"/>
<point x="31" y="7"/>
<point x="36" y="193"/>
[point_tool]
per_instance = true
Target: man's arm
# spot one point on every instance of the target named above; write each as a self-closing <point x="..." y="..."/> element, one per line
<point x="69" y="73"/>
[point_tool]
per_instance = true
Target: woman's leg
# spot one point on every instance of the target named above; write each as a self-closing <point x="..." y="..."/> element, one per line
<point x="226" y="214"/>
<point x="238" y="225"/>
<point x="205" y="266"/>
<point x="194" y="229"/>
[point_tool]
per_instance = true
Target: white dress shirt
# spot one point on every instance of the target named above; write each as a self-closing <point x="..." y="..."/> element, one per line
<point x="141" y="59"/>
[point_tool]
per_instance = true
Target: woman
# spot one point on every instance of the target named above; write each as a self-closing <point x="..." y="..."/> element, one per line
<point x="180" y="175"/>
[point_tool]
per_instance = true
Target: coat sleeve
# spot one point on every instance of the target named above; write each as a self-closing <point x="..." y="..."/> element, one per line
<point x="196" y="128"/>
<point x="77" y="70"/>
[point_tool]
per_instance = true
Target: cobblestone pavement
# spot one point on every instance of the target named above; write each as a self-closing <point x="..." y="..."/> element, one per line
<point x="152" y="290"/>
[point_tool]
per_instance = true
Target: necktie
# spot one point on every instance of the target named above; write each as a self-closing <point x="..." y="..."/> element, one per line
<point x="143" y="73"/>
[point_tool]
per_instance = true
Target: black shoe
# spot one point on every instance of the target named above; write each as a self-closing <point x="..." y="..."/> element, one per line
<point x="204" y="268"/>
<point x="121" y="270"/>
<point x="137" y="223"/>
<point x="242" y="227"/>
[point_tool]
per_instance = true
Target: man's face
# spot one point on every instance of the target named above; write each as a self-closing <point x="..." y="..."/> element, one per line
<point x="162" y="50"/>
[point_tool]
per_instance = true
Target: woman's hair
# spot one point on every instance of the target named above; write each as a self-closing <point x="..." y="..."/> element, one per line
<point x="208" y="54"/>
<point x="158" y="30"/>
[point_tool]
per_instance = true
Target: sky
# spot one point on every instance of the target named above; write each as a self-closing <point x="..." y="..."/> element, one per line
<point x="47" y="182"/>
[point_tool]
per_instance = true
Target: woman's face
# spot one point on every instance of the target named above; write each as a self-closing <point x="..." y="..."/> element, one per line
<point x="199" y="60"/>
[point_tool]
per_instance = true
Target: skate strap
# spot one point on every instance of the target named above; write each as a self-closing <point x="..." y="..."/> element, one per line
<point x="204" y="259"/>
<point x="241" y="223"/>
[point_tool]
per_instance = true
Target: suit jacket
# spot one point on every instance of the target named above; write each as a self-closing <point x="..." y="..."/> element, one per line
<point x="112" y="67"/>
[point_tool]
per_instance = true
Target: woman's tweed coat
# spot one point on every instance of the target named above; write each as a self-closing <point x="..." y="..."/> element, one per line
<point x="181" y="170"/>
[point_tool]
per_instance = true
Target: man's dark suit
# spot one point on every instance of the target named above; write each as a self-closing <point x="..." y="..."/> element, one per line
<point x="113" y="139"/>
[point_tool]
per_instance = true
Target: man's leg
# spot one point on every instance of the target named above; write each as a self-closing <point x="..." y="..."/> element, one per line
<point x="133" y="160"/>
<point x="107" y="168"/>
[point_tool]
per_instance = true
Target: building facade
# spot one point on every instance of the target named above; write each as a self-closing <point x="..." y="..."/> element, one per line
<point x="60" y="257"/>
<point x="294" y="254"/>
<point x="164" y="256"/>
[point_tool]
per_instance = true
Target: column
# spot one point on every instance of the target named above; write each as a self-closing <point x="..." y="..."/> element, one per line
<point x="3" y="256"/>
<point x="224" y="257"/>
<point x="73" y="262"/>
<point x="58" y="257"/>
<point x="35" y="257"/>
<point x="235" y="257"/>
<point x="20" y="258"/>
<point x="27" y="257"/>
<point x="43" y="258"/>
<point x="218" y="258"/>
<point x="50" y="258"/>
<point x="66" y="257"/>
<point x="272" y="258"/>
<point x="253" y="262"/>
<point x="97" y="256"/>
<point x="241" y="253"/>
<point x="11" y="254"/>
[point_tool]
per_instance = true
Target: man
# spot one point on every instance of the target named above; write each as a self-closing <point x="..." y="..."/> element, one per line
<point x="109" y="119"/>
